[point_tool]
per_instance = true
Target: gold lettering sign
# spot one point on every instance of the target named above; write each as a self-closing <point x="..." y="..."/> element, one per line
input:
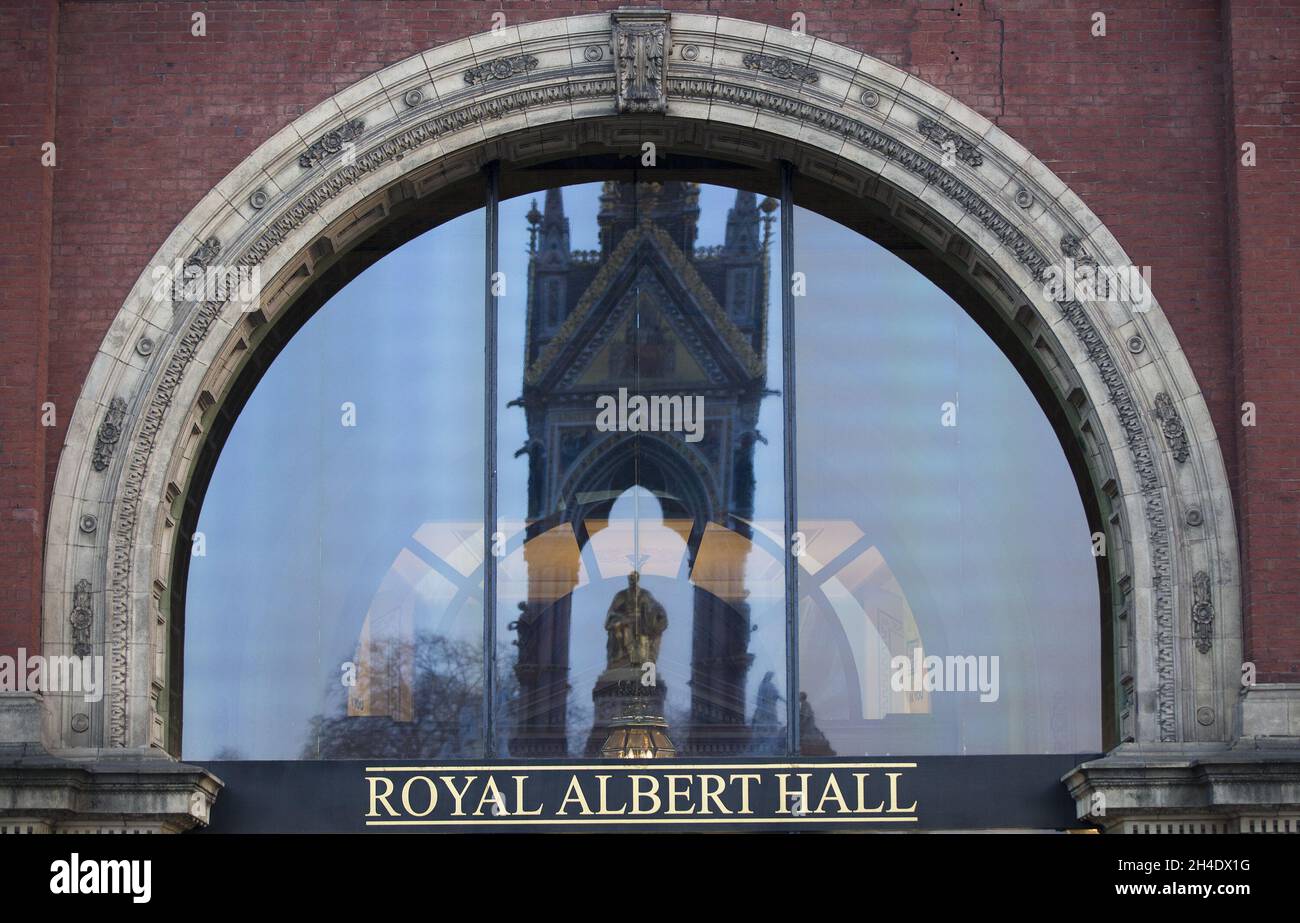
<point x="632" y="794"/>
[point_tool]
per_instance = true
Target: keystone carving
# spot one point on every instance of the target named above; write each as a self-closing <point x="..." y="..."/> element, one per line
<point x="641" y="43"/>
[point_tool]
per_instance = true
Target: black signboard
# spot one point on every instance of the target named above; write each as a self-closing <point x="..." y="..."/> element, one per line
<point x="890" y="793"/>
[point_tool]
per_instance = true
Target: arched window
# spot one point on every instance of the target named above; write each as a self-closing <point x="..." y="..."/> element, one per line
<point x="892" y="556"/>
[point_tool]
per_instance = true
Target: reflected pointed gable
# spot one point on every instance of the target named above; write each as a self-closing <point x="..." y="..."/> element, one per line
<point x="683" y="328"/>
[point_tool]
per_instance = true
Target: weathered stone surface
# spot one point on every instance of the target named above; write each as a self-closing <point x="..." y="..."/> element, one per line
<point x="1191" y="789"/>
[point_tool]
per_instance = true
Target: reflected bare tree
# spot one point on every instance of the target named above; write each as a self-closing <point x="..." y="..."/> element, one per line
<point x="443" y="680"/>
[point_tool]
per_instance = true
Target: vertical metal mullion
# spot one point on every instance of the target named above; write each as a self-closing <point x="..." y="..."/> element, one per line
<point x="788" y="405"/>
<point x="491" y="178"/>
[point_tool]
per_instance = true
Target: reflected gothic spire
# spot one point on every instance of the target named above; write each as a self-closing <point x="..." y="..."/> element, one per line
<point x="742" y="224"/>
<point x="553" y="249"/>
<point x="673" y="206"/>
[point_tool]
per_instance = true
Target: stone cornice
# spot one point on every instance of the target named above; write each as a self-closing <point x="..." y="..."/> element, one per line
<point x="1190" y="784"/>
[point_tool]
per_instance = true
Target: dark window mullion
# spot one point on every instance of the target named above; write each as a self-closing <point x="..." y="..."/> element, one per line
<point x="788" y="406"/>
<point x="491" y="177"/>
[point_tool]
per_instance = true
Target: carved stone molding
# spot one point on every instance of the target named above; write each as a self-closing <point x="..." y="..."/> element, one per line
<point x="781" y="68"/>
<point x="641" y="44"/>
<point x="879" y="142"/>
<point x="81" y="618"/>
<point x="1153" y="505"/>
<point x="109" y="433"/>
<point x="501" y="69"/>
<point x="330" y="143"/>
<point x="1149" y="481"/>
<point x="207" y="252"/>
<point x="1202" y="612"/>
<point x="1172" y="426"/>
<point x="199" y="260"/>
<point x="964" y="150"/>
<point x="1072" y="247"/>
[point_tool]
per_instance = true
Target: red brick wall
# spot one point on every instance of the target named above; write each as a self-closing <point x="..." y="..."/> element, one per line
<point x="28" y="48"/>
<point x="1262" y="49"/>
<point x="1140" y="124"/>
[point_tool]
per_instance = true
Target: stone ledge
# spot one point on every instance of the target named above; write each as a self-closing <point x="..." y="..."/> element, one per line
<point x="1209" y="788"/>
<point x="121" y="791"/>
<point x="44" y="793"/>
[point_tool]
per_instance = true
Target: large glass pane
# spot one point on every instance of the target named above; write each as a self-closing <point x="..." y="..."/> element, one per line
<point x="640" y="470"/>
<point x="334" y="604"/>
<point x="948" y="595"/>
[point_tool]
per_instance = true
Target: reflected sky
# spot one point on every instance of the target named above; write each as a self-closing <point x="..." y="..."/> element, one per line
<point x="980" y="524"/>
<point x="304" y="515"/>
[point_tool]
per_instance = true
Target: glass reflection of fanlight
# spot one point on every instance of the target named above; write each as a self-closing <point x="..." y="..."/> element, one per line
<point x="868" y="611"/>
<point x="430" y="573"/>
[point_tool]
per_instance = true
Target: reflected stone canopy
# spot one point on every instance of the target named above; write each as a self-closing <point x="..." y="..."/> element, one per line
<point x="652" y="315"/>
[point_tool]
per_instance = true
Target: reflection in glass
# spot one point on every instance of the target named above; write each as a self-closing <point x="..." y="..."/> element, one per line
<point x="336" y="607"/>
<point x="940" y="519"/>
<point x="639" y="469"/>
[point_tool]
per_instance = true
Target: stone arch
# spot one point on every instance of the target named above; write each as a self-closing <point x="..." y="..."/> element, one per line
<point x="742" y="91"/>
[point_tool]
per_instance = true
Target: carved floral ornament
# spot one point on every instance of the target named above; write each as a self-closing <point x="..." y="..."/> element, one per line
<point x="1172" y="426"/>
<point x="110" y="431"/>
<point x="331" y="143"/>
<point x="81" y="618"/>
<point x="781" y="68"/>
<point x="500" y="69"/>
<point x="639" y="81"/>
<point x="964" y="150"/>
<point x="1202" y="612"/>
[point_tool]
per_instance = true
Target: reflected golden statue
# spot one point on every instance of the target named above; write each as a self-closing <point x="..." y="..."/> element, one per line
<point x="635" y="624"/>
